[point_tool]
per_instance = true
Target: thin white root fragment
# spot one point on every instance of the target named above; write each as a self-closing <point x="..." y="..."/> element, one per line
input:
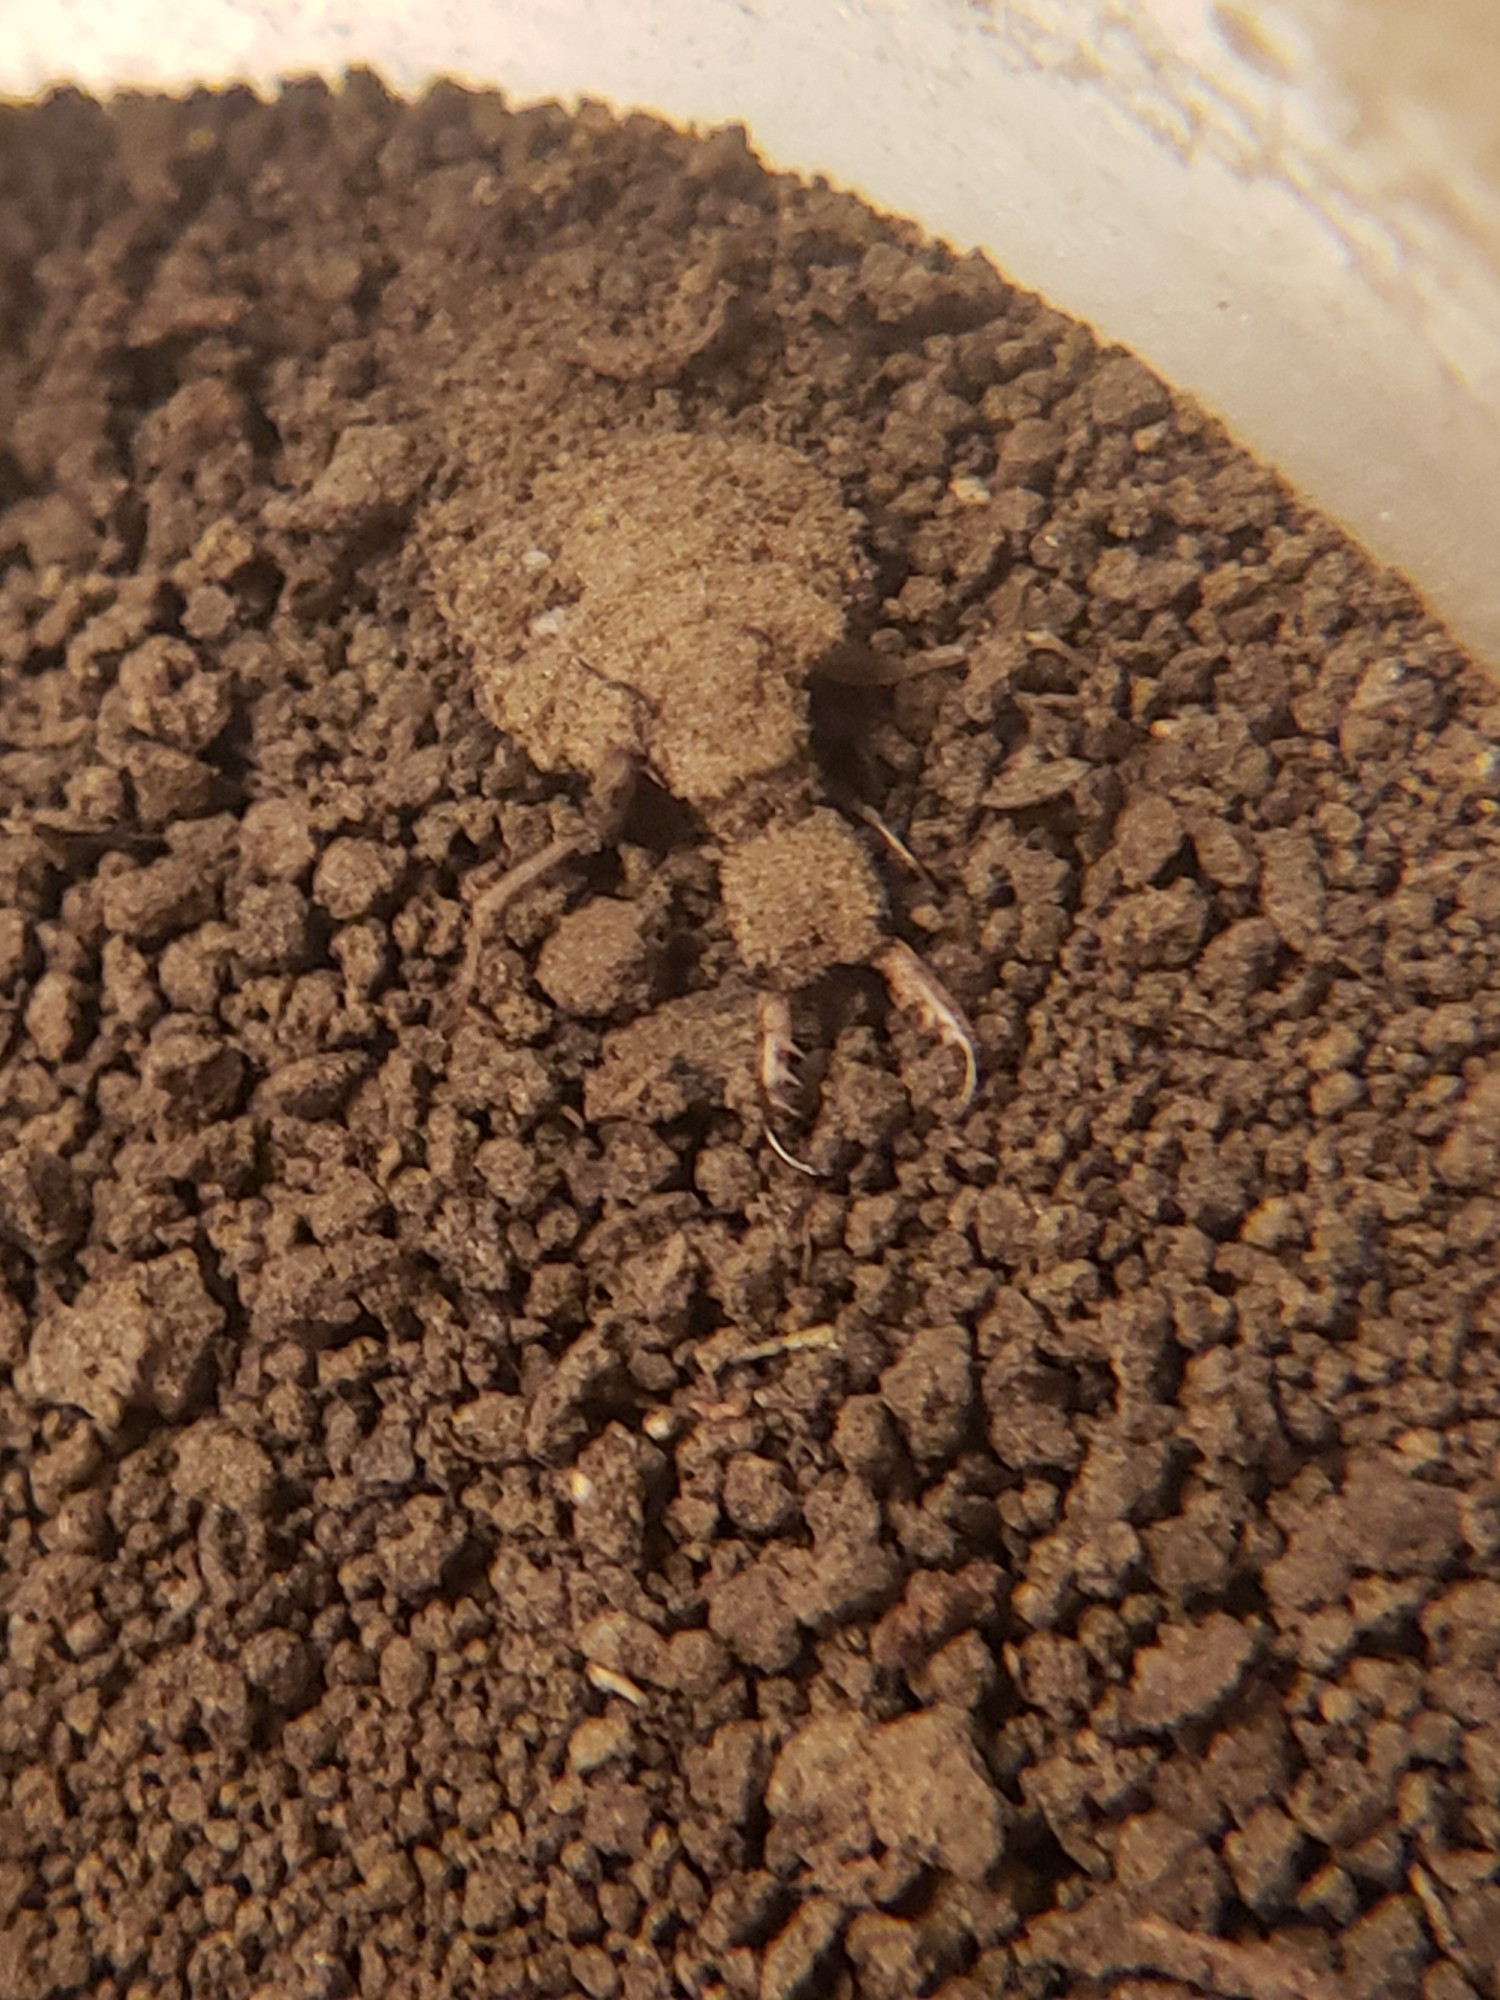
<point x="607" y="1681"/>
<point x="775" y="1071"/>
<point x="915" y="988"/>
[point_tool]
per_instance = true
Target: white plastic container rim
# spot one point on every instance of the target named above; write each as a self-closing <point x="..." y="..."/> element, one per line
<point x="1290" y="208"/>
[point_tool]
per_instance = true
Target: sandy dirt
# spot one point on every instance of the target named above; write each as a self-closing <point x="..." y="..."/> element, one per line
<point x="475" y="1522"/>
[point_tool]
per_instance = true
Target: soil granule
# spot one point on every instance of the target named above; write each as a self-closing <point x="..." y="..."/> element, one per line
<point x="476" y="1521"/>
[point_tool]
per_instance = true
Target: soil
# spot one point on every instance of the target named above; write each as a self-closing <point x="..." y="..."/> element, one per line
<point x="475" y="1521"/>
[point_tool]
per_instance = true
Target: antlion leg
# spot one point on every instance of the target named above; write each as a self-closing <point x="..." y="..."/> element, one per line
<point x="604" y="815"/>
<point x="484" y="911"/>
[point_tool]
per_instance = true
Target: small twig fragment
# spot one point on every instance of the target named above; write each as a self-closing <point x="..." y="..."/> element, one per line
<point x="802" y="1341"/>
<point x="854" y="665"/>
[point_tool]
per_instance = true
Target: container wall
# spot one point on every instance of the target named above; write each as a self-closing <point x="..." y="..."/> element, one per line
<point x="1290" y="207"/>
